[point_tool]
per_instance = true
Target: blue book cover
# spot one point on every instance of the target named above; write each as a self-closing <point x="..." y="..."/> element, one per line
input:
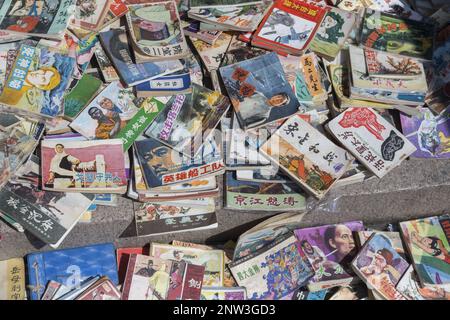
<point x="115" y="43"/>
<point x="70" y="267"/>
<point x="179" y="81"/>
<point x="259" y="91"/>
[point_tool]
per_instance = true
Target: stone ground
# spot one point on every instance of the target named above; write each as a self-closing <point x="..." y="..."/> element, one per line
<point x="418" y="188"/>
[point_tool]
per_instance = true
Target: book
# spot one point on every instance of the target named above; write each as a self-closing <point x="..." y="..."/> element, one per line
<point x="49" y="216"/>
<point x="188" y="120"/>
<point x="123" y="257"/>
<point x="305" y="295"/>
<point x="219" y="3"/>
<point x="156" y="219"/>
<point x="83" y="166"/>
<point x="437" y="97"/>
<point x="51" y="290"/>
<point x="259" y="91"/>
<point x="395" y="91"/>
<point x="176" y="83"/>
<point x="427" y="242"/>
<point x="289" y="26"/>
<point x="307" y="156"/>
<point x="12" y="279"/>
<point x="384" y="65"/>
<point x="371" y="139"/>
<point x="108" y="114"/>
<point x="393" y="34"/>
<point x="430" y="134"/>
<point x="70" y="267"/>
<point x="106" y="67"/>
<point x="273" y="272"/>
<point x="236" y="17"/>
<point x="380" y="267"/>
<point x="91" y="15"/>
<point x="102" y="290"/>
<point x="211" y="260"/>
<point x="115" y="43"/>
<point x="212" y="55"/>
<point x="38" y="81"/>
<point x="41" y="19"/>
<point x="266" y="196"/>
<point x="270" y="174"/>
<point x="395" y="7"/>
<point x="80" y="95"/>
<point x="223" y="293"/>
<point x="156" y="32"/>
<point x="117" y="9"/>
<point x="239" y="51"/>
<point x="333" y="32"/>
<point x="193" y="31"/>
<point x="162" y="166"/>
<point x="394" y="237"/>
<point x="329" y="249"/>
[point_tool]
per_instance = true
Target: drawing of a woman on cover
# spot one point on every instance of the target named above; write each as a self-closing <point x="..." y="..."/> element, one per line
<point x="158" y="283"/>
<point x="27" y="8"/>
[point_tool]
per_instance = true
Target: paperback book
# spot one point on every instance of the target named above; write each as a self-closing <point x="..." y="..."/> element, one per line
<point x="12" y="279"/>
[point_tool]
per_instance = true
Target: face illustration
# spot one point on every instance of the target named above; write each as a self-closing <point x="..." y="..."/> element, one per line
<point x="380" y="261"/>
<point x="343" y="240"/>
<point x="106" y="104"/>
<point x="329" y="22"/>
<point x="172" y="210"/>
<point x="59" y="148"/>
<point x="308" y="248"/>
<point x="160" y="159"/>
<point x="278" y="100"/>
<point x="95" y="113"/>
<point x="40" y="78"/>
<point x="426" y="242"/>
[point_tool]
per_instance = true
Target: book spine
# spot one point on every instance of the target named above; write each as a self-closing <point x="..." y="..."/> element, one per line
<point x="129" y="277"/>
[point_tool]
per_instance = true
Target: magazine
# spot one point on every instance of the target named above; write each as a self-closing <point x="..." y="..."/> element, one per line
<point x="80" y="95"/>
<point x="91" y="14"/>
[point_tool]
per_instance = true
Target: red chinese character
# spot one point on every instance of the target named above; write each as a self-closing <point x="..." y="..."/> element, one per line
<point x="272" y="201"/>
<point x="205" y="169"/>
<point x="290" y="201"/>
<point x="193" y="173"/>
<point x="255" y="201"/>
<point x="168" y="179"/>
<point x="216" y="166"/>
<point x="240" y="74"/>
<point x="181" y="176"/>
<point x="379" y="165"/>
<point x="240" y="200"/>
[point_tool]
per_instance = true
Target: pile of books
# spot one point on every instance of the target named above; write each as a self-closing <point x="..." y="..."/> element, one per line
<point x="275" y="260"/>
<point x="182" y="106"/>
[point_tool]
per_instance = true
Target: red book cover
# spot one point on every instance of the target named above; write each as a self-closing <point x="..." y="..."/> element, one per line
<point x="128" y="277"/>
<point x="193" y="281"/>
<point x="290" y="25"/>
<point x="123" y="257"/>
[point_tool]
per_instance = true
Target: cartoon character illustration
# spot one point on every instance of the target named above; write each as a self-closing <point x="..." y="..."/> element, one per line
<point x="330" y="29"/>
<point x="430" y="138"/>
<point x="362" y="117"/>
<point x="432" y="246"/>
<point x="280" y="17"/>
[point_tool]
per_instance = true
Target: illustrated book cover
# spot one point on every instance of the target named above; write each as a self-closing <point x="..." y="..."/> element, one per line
<point x="12" y="279"/>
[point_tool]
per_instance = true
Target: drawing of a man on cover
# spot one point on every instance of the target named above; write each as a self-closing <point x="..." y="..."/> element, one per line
<point x="108" y="125"/>
<point x="432" y="246"/>
<point x="63" y="166"/>
<point x="161" y="159"/>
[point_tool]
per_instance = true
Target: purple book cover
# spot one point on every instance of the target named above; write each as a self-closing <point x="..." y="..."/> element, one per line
<point x="430" y="134"/>
<point x="330" y="249"/>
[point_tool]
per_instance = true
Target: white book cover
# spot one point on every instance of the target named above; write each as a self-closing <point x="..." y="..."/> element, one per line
<point x="371" y="139"/>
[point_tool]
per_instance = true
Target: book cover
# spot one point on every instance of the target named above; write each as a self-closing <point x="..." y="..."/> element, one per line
<point x="329" y="249"/>
<point x="38" y="81"/>
<point x="123" y="257"/>
<point x="107" y="69"/>
<point x="427" y="241"/>
<point x="380" y="267"/>
<point x="218" y="3"/>
<point x="12" y="279"/>
<point x="193" y="30"/>
<point x="395" y="7"/>
<point x="155" y="29"/>
<point x="211" y="260"/>
<point x="103" y="290"/>
<point x="153" y="218"/>
<point x="223" y="293"/>
<point x="70" y="267"/>
<point x="289" y="26"/>
<point x="107" y="115"/>
<point x="90" y="15"/>
<point x="212" y="55"/>
<point x="259" y="91"/>
<point x="274" y="271"/>
<point x="47" y="215"/>
<point x="36" y="18"/>
<point x="189" y="119"/>
<point x="390" y="33"/>
<point x="240" y="51"/>
<point x="193" y="283"/>
<point x="117" y="9"/>
<point x="115" y="43"/>
<point x="430" y="134"/>
<point x="163" y="166"/>
<point x="267" y="196"/>
<point x="83" y="166"/>
<point x="394" y="237"/>
<point x="371" y="139"/>
<point x="80" y="95"/>
<point x="332" y="33"/>
<point x="237" y="17"/>
<point x="307" y="156"/>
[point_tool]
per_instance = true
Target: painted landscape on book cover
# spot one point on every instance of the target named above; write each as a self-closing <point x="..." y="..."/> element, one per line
<point x="189" y="119"/>
<point x="428" y="243"/>
<point x="259" y="91"/>
<point x="429" y="133"/>
<point x="38" y="81"/>
<point x="330" y="249"/>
